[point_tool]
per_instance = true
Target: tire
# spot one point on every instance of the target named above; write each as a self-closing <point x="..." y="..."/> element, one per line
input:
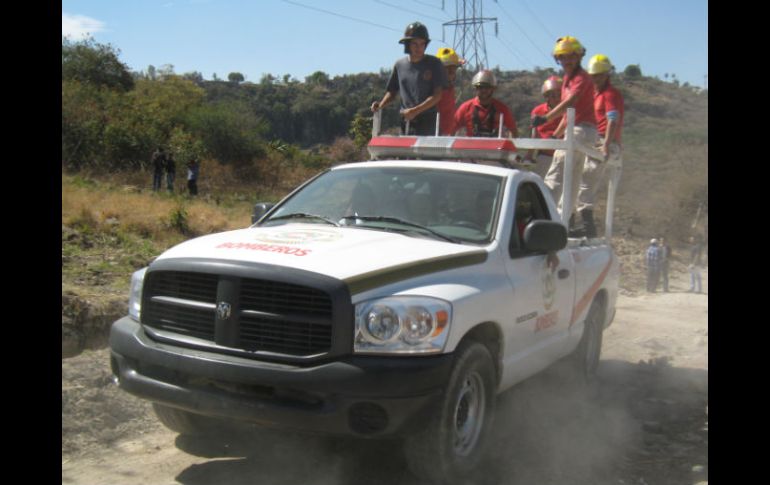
<point x="184" y="422"/>
<point x="588" y="352"/>
<point x="453" y="442"/>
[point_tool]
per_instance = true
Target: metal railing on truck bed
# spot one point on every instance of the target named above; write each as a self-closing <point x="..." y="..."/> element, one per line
<point x="501" y="150"/>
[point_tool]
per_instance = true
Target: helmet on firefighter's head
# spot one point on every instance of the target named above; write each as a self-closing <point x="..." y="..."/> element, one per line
<point x="568" y="45"/>
<point x="553" y="83"/>
<point x="484" y="78"/>
<point x="449" y="57"/>
<point x="415" y="30"/>
<point x="599" y="64"/>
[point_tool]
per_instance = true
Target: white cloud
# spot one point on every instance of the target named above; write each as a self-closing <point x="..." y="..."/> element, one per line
<point x="77" y="27"/>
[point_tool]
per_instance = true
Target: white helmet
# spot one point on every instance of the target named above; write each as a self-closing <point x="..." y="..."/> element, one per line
<point x="653" y="241"/>
<point x="484" y="77"/>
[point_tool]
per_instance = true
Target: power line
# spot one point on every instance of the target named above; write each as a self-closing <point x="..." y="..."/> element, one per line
<point x="340" y="15"/>
<point x="429" y="5"/>
<point x="407" y="10"/>
<point x="523" y="32"/>
<point x="523" y="60"/>
<point x="545" y="29"/>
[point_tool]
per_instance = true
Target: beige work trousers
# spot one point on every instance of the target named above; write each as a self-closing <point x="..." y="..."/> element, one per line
<point x="593" y="176"/>
<point x="554" y="179"/>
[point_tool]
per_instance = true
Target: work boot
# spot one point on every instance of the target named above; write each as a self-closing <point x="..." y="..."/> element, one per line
<point x="587" y="216"/>
<point x="575" y="231"/>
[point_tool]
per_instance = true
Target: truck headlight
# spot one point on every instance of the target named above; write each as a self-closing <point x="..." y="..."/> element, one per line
<point x="402" y="324"/>
<point x="135" y="294"/>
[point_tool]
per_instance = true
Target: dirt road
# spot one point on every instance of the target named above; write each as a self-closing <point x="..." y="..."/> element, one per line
<point x="646" y="422"/>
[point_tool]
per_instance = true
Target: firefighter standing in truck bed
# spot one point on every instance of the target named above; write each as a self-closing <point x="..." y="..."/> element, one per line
<point x="480" y="116"/>
<point x="608" y="107"/>
<point x="418" y="80"/>
<point x="542" y="159"/>
<point x="577" y="92"/>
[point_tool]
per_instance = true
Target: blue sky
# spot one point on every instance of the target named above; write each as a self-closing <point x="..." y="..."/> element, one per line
<point x="299" y="37"/>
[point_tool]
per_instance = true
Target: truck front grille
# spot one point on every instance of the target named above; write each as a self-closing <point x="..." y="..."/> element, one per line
<point x="268" y="316"/>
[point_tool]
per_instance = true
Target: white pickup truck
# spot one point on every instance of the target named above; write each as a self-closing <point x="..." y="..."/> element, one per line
<point x="388" y="298"/>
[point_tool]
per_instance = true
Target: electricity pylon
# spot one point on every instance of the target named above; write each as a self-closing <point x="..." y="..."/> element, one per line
<point x="469" y="33"/>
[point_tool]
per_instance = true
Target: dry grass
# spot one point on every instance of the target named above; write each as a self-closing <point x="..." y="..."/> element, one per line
<point x="145" y="213"/>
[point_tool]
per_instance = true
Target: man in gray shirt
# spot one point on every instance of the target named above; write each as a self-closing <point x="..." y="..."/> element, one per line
<point x="419" y="80"/>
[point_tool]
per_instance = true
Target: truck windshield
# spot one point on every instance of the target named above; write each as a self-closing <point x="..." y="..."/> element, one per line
<point x="422" y="202"/>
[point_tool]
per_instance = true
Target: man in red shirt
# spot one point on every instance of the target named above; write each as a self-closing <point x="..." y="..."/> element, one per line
<point x="608" y="107"/>
<point x="576" y="92"/>
<point x="480" y="116"/>
<point x="446" y="107"/>
<point x="541" y="159"/>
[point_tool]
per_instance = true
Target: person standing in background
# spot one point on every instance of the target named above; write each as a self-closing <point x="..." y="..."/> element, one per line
<point x="665" y="258"/>
<point x="193" y="168"/>
<point x="696" y="252"/>
<point x="652" y="258"/>
<point x="170" y="171"/>
<point x="158" y="165"/>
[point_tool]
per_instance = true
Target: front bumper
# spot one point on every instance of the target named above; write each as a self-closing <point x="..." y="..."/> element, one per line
<point x="356" y="395"/>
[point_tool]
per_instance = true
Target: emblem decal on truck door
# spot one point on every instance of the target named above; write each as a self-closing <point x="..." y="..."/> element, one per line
<point x="549" y="286"/>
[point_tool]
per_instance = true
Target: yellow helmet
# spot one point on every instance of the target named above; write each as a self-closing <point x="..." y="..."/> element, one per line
<point x="599" y="64"/>
<point x="568" y="45"/>
<point x="551" y="84"/>
<point x="449" y="57"/>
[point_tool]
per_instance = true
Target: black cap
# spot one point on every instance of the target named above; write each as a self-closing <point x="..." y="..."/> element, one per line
<point x="415" y="30"/>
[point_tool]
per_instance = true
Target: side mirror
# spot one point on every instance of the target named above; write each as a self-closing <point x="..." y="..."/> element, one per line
<point x="260" y="210"/>
<point x="545" y="236"/>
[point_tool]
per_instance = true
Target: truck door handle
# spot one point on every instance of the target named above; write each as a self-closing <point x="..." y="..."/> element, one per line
<point x="563" y="274"/>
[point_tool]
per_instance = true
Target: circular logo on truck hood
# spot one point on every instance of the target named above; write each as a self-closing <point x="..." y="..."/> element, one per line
<point x="299" y="236"/>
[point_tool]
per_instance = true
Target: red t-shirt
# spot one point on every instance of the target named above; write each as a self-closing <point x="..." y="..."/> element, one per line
<point x="446" y="109"/>
<point x="609" y="99"/>
<point x="582" y="84"/>
<point x="464" y="116"/>
<point x="545" y="130"/>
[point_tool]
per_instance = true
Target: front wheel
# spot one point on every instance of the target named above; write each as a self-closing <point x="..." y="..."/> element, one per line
<point x="454" y="440"/>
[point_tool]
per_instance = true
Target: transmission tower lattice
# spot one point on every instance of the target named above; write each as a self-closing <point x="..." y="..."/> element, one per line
<point x="469" y="33"/>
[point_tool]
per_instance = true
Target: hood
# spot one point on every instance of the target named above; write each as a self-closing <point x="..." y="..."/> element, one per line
<point x="349" y="254"/>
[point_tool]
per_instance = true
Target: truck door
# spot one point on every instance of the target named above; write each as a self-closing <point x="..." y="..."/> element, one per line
<point x="543" y="290"/>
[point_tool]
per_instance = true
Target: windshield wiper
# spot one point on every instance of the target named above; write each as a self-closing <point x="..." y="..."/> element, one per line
<point x="396" y="220"/>
<point x="303" y="215"/>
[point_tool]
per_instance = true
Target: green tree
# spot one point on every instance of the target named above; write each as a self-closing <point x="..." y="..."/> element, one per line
<point x="633" y="71"/>
<point x="318" y="78"/>
<point x="235" y="77"/>
<point x="361" y="130"/>
<point x="229" y="131"/>
<point x="88" y="62"/>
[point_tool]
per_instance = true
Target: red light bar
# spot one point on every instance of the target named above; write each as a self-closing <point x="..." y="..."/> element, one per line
<point x="484" y="144"/>
<point x="500" y="150"/>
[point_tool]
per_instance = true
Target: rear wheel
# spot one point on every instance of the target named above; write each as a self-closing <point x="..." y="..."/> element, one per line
<point x="453" y="442"/>
<point x="589" y="349"/>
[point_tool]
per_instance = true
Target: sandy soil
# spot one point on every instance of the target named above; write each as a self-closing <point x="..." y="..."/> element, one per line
<point x="646" y="421"/>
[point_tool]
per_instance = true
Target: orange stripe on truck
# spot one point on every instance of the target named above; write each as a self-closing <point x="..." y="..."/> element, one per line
<point x="589" y="296"/>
